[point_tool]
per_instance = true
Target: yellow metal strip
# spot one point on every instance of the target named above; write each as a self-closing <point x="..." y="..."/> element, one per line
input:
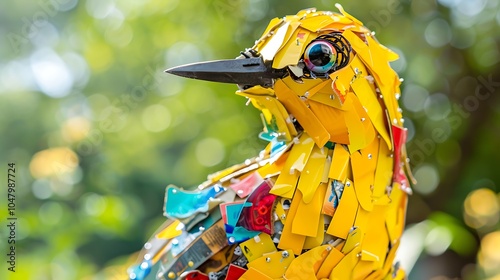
<point x="292" y="50"/>
<point x="340" y="163"/>
<point x="307" y="265"/>
<point x="306" y="221"/>
<point x="395" y="221"/>
<point x="256" y="247"/>
<point x="368" y="98"/>
<point x="306" y="118"/>
<point x="334" y="121"/>
<point x="344" y="216"/>
<point x="289" y="240"/>
<point x="362" y="269"/>
<point x="330" y="262"/>
<point x="317" y="240"/>
<point x="297" y="159"/>
<point x="344" y="269"/>
<point x="274" y="264"/>
<point x="383" y="174"/>
<point x="312" y="174"/>
<point x="252" y="274"/>
<point x="376" y="240"/>
<point x="363" y="171"/>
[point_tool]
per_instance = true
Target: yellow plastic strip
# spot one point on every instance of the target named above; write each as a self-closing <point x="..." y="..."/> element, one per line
<point x="306" y="118"/>
<point x="306" y="220"/>
<point x="334" y="121"/>
<point x="292" y="51"/>
<point x="317" y="23"/>
<point x="317" y="240"/>
<point x="330" y="262"/>
<point x="363" y="171"/>
<point x="252" y="274"/>
<point x="376" y="240"/>
<point x="274" y="264"/>
<point x="395" y="221"/>
<point x="307" y="265"/>
<point x="362" y="269"/>
<point x="383" y="174"/>
<point x="354" y="239"/>
<point x="312" y="174"/>
<point x="297" y="159"/>
<point x="289" y="240"/>
<point x="173" y="230"/>
<point x="368" y="98"/>
<point x="343" y="218"/>
<point x="256" y="247"/>
<point x="344" y="269"/>
<point x="340" y="163"/>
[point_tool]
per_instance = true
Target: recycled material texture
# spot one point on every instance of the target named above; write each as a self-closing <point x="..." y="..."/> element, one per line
<point x="326" y="199"/>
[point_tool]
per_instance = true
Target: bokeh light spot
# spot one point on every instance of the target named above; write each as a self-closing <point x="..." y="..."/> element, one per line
<point x="438" y="33"/>
<point x="99" y="56"/>
<point x="94" y="204"/>
<point x="53" y="162"/>
<point x="50" y="213"/>
<point x="51" y="73"/>
<point x="210" y="151"/>
<point x="41" y="189"/>
<point x="414" y="97"/>
<point x="427" y="178"/>
<point x="156" y="118"/>
<point x="438" y="240"/>
<point x="75" y="129"/>
<point x="437" y="106"/>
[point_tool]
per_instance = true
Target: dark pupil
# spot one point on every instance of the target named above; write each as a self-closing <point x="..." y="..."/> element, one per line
<point x="320" y="55"/>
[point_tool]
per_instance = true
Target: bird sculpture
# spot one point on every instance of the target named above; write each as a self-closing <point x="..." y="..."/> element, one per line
<point x="326" y="198"/>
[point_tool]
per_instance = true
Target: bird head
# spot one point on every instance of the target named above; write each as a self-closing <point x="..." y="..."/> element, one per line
<point x="320" y="73"/>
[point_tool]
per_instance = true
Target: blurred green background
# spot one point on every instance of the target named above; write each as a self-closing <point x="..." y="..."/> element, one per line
<point x="97" y="130"/>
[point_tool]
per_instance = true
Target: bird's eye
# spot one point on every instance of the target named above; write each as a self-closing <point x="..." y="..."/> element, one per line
<point x="320" y="56"/>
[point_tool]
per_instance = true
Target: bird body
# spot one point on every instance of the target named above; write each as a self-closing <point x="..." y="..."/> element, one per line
<point x="326" y="199"/>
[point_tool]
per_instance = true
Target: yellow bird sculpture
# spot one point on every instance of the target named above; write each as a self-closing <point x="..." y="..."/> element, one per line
<point x="326" y="199"/>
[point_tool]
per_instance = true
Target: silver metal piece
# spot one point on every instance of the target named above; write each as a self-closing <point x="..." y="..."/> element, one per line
<point x="285" y="254"/>
<point x="268" y="259"/>
<point x="370" y="156"/>
<point x="348" y="183"/>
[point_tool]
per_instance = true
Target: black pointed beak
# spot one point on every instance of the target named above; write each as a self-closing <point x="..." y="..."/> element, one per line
<point x="245" y="71"/>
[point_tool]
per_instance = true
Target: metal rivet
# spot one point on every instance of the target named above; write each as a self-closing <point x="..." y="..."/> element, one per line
<point x="348" y="184"/>
<point x="268" y="259"/>
<point x="402" y="120"/>
<point x="381" y="96"/>
<point x="401" y="80"/>
<point x="232" y="239"/>
<point x="283" y="216"/>
<point x="190" y="263"/>
<point x="398" y="96"/>
<point x="370" y="156"/>
<point x="171" y="275"/>
<point x="285" y="254"/>
<point x="363" y="119"/>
